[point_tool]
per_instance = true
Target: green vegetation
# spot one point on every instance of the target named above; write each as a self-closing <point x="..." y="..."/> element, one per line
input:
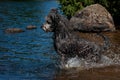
<point x="69" y="7"/>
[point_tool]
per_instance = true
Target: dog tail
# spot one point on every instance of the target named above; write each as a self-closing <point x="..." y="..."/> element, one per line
<point x="106" y="44"/>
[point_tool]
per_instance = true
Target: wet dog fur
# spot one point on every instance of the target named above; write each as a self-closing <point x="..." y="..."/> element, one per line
<point x="66" y="42"/>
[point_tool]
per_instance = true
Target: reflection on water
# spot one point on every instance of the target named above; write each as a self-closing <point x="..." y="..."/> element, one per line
<point x="27" y="55"/>
<point x="31" y="56"/>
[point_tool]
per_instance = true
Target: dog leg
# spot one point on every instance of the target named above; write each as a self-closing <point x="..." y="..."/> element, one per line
<point x="63" y="60"/>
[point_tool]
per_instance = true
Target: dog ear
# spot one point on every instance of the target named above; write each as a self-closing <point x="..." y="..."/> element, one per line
<point x="54" y="14"/>
<point x="54" y="10"/>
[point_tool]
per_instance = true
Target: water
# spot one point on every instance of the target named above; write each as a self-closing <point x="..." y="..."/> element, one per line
<point x="107" y="69"/>
<point x="30" y="55"/>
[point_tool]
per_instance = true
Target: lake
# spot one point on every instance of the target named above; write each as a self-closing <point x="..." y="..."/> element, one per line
<point x="27" y="55"/>
<point x="30" y="55"/>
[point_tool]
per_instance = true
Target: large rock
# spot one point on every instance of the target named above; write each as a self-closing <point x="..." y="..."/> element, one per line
<point x="93" y="18"/>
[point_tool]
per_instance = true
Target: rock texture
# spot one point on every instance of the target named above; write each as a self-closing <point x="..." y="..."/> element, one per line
<point x="93" y="18"/>
<point x="14" y="30"/>
<point x="30" y="27"/>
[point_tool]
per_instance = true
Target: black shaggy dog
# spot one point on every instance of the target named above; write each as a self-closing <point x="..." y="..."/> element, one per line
<point x="67" y="43"/>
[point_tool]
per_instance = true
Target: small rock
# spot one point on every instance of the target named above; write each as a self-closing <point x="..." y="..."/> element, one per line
<point x="31" y="27"/>
<point x="14" y="30"/>
<point x="93" y="18"/>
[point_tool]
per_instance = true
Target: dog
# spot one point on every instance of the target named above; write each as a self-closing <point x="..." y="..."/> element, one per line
<point x="67" y="43"/>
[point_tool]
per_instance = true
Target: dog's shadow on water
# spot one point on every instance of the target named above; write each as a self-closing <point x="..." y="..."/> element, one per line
<point x="107" y="68"/>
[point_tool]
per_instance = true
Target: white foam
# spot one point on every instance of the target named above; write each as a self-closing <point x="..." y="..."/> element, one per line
<point x="84" y="64"/>
<point x="73" y="62"/>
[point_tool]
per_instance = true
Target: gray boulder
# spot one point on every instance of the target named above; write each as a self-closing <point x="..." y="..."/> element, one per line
<point x="93" y="18"/>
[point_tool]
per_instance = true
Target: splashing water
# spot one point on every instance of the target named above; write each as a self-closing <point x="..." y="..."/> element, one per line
<point x="108" y="68"/>
<point x="108" y="58"/>
<point x="84" y="64"/>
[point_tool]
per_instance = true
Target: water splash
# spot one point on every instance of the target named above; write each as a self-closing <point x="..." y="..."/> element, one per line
<point x="85" y="64"/>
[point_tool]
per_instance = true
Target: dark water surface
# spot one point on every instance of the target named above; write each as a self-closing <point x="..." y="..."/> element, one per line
<point x="31" y="56"/>
<point x="27" y="55"/>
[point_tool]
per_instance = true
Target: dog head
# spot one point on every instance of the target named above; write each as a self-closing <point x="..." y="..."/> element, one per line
<point x="51" y="21"/>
